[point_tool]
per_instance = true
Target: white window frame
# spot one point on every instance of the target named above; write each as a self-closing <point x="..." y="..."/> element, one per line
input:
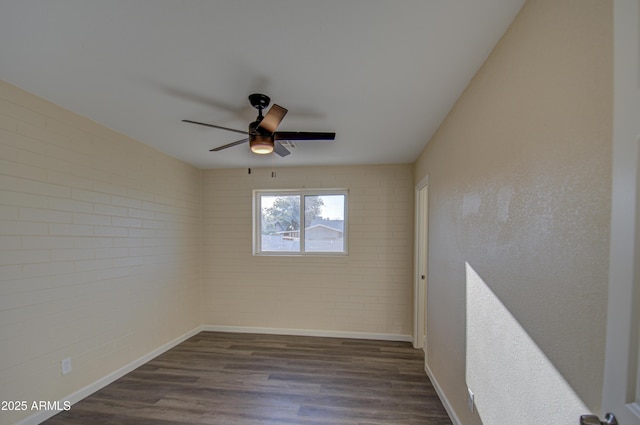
<point x="257" y="221"/>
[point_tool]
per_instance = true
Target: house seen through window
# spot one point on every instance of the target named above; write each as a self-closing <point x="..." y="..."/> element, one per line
<point x="300" y="222"/>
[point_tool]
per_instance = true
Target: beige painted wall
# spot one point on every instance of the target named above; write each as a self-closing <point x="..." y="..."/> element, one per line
<point x="100" y="250"/>
<point x="519" y="187"/>
<point x="369" y="291"/>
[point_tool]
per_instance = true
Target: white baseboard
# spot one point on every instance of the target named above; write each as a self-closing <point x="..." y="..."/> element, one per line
<point x="75" y="397"/>
<point x="443" y="397"/>
<point x="307" y="332"/>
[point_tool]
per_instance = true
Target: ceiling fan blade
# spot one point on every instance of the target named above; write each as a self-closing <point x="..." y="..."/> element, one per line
<point x="271" y="121"/>
<point x="303" y="135"/>
<point x="280" y="150"/>
<point x="215" y="126"/>
<point x="219" y="148"/>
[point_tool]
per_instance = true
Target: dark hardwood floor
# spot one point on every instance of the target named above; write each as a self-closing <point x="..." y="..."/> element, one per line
<point x="226" y="378"/>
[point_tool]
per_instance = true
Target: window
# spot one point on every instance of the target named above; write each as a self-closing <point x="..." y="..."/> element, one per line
<point x="300" y="222"/>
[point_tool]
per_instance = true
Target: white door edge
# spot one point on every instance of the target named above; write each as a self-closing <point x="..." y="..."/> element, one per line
<point x="620" y="385"/>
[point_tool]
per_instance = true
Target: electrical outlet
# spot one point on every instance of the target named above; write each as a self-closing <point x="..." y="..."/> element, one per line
<point x="470" y="400"/>
<point x="66" y="365"/>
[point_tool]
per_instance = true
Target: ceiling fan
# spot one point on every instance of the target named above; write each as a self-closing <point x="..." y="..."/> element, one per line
<point x="262" y="135"/>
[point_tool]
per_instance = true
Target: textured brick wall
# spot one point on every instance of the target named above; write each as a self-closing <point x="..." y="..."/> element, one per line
<point x="368" y="291"/>
<point x="100" y="249"/>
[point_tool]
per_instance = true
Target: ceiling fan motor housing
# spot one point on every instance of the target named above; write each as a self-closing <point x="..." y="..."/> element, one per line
<point x="256" y="130"/>
<point x="261" y="141"/>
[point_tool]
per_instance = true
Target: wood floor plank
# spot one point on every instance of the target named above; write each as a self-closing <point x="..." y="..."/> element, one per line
<point x="226" y="378"/>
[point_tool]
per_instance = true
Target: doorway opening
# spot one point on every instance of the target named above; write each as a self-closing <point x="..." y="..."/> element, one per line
<point x="421" y="265"/>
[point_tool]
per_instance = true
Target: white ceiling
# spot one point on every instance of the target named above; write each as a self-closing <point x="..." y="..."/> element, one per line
<point x="382" y="74"/>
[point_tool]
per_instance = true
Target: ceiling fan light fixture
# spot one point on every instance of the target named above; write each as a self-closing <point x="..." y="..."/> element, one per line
<point x="262" y="135"/>
<point x="262" y="145"/>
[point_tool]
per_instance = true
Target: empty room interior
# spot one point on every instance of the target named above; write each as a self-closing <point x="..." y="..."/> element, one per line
<point x="437" y="193"/>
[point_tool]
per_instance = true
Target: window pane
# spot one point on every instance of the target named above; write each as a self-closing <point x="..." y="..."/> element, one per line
<point x="280" y="223"/>
<point x="324" y="223"/>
